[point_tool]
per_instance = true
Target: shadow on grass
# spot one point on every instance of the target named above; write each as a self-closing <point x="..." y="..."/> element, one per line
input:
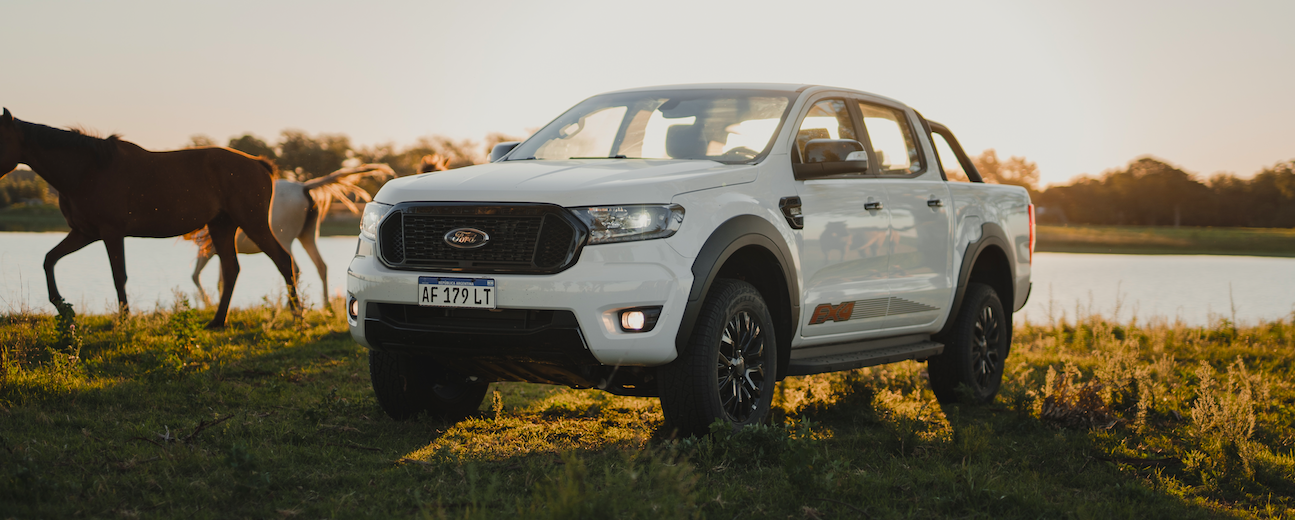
<point x="267" y="419"/>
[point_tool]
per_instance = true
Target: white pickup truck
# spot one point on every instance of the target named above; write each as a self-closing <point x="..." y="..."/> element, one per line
<point x="696" y="243"/>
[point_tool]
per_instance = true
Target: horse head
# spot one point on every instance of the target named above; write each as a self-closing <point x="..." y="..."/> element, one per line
<point x="10" y="143"/>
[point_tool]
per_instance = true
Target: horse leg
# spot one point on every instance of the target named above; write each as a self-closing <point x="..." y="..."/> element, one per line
<point x="116" y="247"/>
<point x="222" y="238"/>
<point x="75" y="240"/>
<point x="264" y="238"/>
<point x="307" y="238"/>
<point x="199" y="265"/>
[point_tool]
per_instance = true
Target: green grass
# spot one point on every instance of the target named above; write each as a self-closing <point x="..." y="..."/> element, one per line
<point x="340" y="224"/>
<point x="1166" y="240"/>
<point x="40" y="218"/>
<point x="152" y="416"/>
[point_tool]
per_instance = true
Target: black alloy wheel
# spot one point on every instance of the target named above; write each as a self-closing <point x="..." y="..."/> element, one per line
<point x="975" y="348"/>
<point x="729" y="368"/>
<point x="741" y="366"/>
<point x="985" y="336"/>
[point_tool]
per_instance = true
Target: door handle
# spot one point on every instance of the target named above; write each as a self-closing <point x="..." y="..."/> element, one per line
<point x="935" y="203"/>
<point x="871" y="205"/>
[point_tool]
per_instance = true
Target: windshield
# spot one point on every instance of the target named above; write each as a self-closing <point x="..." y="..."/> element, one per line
<point x="730" y="126"/>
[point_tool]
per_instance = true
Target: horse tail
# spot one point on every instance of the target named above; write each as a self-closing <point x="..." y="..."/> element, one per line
<point x="312" y="211"/>
<point x="202" y="238"/>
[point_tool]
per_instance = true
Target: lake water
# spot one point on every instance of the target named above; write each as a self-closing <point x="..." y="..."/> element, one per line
<point x="1194" y="289"/>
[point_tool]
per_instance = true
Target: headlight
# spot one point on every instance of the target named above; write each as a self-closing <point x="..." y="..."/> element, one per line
<point x="609" y="224"/>
<point x="373" y="213"/>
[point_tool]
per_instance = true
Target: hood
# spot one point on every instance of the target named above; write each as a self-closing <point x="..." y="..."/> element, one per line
<point x="581" y="182"/>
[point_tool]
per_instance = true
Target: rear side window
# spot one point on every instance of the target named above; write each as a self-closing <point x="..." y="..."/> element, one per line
<point x="948" y="159"/>
<point x="892" y="139"/>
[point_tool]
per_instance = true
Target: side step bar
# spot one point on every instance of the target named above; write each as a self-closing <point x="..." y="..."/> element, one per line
<point x="834" y="362"/>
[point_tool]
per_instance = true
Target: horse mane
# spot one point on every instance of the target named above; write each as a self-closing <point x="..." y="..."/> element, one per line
<point x="103" y="150"/>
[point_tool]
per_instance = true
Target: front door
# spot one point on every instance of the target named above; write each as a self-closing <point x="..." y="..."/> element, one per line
<point x="845" y="256"/>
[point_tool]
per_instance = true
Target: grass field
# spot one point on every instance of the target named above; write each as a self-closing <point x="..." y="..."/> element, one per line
<point x="152" y="416"/>
<point x="1166" y="240"/>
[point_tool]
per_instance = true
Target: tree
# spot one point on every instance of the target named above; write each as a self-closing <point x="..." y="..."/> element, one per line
<point x="406" y="161"/>
<point x="1148" y="192"/>
<point x="253" y="145"/>
<point x="200" y="141"/>
<point x="312" y="157"/>
<point x="1015" y="171"/>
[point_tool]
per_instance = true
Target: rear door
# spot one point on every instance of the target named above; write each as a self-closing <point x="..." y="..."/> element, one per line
<point x="919" y="272"/>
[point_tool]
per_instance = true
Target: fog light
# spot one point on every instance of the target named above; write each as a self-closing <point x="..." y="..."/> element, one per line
<point x="642" y="319"/>
<point x="353" y="308"/>
<point x="633" y="320"/>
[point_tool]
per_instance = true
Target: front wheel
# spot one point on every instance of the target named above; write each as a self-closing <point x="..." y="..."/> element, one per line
<point x="407" y="385"/>
<point x="974" y="351"/>
<point x="730" y="367"/>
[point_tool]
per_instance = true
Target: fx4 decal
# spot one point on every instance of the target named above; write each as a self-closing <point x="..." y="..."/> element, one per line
<point x="827" y="312"/>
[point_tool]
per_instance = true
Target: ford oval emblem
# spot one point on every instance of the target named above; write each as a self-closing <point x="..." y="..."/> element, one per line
<point x="466" y="238"/>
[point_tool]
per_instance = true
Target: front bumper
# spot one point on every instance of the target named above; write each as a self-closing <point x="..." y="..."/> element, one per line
<point x="567" y="318"/>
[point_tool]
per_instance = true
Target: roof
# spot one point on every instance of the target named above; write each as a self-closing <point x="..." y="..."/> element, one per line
<point x="783" y="87"/>
<point x="786" y="87"/>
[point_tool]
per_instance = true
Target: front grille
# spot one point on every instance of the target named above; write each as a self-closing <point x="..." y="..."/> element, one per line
<point x="512" y="239"/>
<point x="534" y="238"/>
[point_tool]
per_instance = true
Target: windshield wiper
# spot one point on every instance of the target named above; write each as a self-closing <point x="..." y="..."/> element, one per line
<point x="608" y="157"/>
<point x="522" y="159"/>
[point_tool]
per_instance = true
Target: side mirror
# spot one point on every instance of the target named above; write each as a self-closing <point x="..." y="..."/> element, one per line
<point x="824" y="157"/>
<point x="502" y="149"/>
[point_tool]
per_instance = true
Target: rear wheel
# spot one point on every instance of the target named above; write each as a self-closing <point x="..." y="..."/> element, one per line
<point x="974" y="351"/>
<point x="730" y="367"/>
<point x="407" y="385"/>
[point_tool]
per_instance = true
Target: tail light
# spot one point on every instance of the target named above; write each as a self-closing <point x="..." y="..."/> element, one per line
<point x="1031" y="233"/>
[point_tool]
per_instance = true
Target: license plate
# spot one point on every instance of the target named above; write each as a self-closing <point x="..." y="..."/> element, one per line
<point x="472" y="293"/>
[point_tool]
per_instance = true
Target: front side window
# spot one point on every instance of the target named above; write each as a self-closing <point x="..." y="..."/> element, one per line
<point x="729" y="126"/>
<point x="892" y="139"/>
<point x="827" y="119"/>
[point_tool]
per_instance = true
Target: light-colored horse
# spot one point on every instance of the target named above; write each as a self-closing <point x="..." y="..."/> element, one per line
<point x="296" y="210"/>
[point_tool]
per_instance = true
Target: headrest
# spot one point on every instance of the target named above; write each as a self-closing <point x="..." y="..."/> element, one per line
<point x="684" y="142"/>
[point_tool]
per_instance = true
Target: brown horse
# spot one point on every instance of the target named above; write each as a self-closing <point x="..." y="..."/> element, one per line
<point x="110" y="189"/>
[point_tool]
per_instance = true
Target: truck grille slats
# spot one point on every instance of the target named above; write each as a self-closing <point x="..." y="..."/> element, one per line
<point x="533" y="238"/>
<point x="512" y="239"/>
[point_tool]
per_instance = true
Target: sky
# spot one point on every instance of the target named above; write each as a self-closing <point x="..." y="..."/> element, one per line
<point x="1078" y="87"/>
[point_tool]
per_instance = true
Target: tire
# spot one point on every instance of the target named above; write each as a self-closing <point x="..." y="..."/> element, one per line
<point x="407" y="385"/>
<point x="730" y="367"/>
<point x="974" y="351"/>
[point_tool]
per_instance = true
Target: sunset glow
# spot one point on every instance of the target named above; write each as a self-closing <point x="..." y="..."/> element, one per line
<point x="1077" y="88"/>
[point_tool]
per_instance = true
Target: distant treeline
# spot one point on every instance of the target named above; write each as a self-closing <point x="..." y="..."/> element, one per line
<point x="312" y="156"/>
<point x="1149" y="192"/>
<point x="24" y="186"/>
